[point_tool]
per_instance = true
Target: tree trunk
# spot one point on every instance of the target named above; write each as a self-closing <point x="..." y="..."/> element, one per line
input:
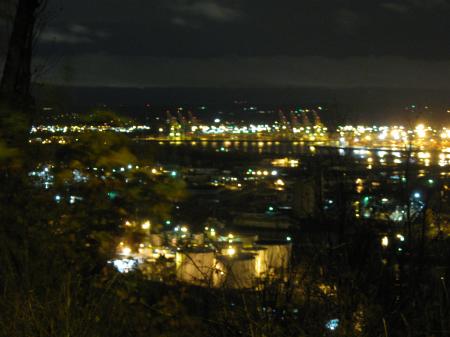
<point x="16" y="102"/>
<point x="15" y="84"/>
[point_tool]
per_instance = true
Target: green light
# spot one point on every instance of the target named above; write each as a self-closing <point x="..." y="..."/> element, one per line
<point x="366" y="200"/>
<point x="112" y="195"/>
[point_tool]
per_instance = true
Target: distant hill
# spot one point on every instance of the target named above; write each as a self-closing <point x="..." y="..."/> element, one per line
<point x="364" y="105"/>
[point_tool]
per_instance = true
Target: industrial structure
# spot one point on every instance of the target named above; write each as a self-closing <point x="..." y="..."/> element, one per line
<point x="207" y="259"/>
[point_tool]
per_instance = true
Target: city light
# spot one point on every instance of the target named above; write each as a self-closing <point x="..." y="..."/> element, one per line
<point x="124" y="265"/>
<point x="231" y="251"/>
<point x="279" y="182"/>
<point x="146" y="225"/>
<point x="332" y="324"/>
<point x="126" y="250"/>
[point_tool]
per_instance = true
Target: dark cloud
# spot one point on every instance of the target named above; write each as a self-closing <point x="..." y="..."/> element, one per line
<point x="118" y="71"/>
<point x="53" y="35"/>
<point x="251" y="42"/>
<point x="73" y="34"/>
<point x="395" y="7"/>
<point x="429" y="3"/>
<point x="79" y="29"/>
<point x="348" y="21"/>
<point x="179" y="21"/>
<point x="404" y="6"/>
<point x="206" y="9"/>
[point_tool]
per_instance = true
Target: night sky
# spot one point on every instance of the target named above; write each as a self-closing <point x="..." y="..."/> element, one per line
<point x="251" y="43"/>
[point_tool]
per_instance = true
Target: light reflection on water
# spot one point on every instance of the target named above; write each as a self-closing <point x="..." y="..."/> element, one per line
<point x="370" y="157"/>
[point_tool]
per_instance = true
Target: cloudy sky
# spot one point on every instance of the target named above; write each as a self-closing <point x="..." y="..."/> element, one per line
<point x="248" y="43"/>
